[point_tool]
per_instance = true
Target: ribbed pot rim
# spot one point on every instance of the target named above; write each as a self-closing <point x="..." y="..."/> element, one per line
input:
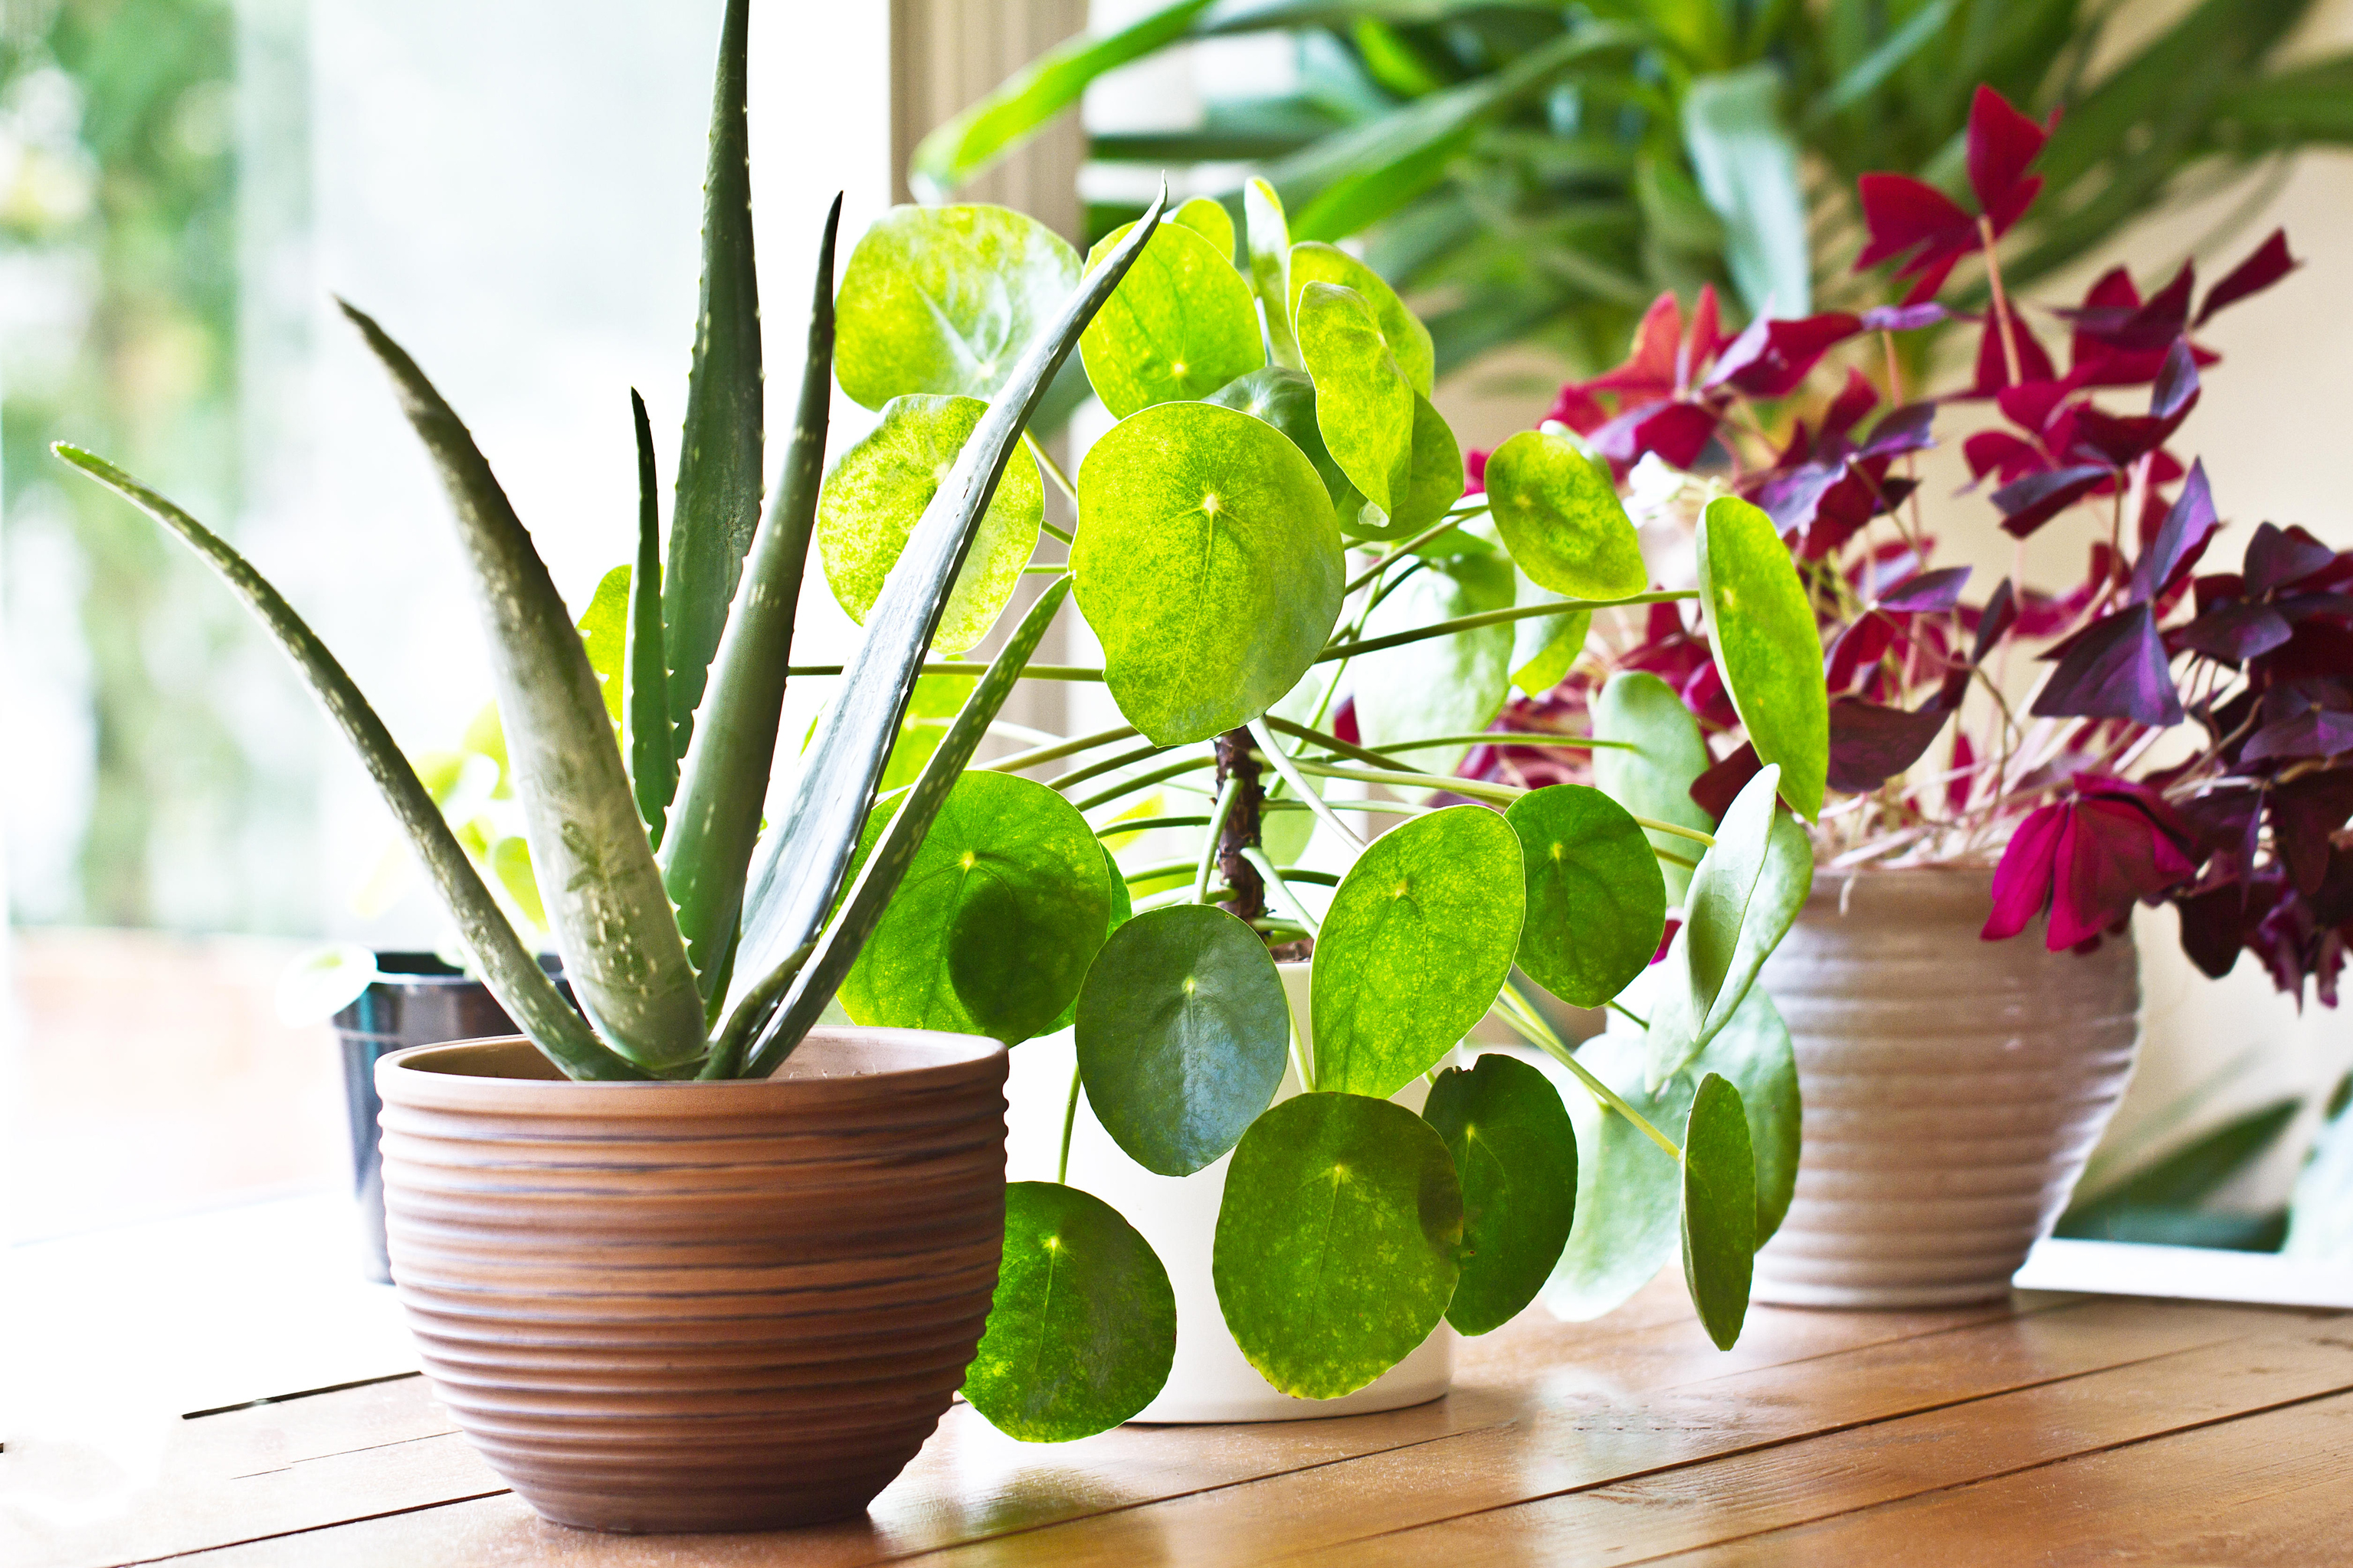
<point x="506" y="1075"/>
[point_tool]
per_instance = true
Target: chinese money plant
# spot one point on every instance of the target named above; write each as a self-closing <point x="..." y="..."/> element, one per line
<point x="1277" y="515"/>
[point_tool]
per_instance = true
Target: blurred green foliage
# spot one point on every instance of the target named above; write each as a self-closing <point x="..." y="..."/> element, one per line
<point x="1541" y="172"/>
<point x="118" y="197"/>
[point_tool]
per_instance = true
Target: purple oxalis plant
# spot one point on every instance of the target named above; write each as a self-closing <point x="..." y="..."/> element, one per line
<point x="2190" y="737"/>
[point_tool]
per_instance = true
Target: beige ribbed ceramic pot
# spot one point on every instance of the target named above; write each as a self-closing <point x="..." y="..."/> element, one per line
<point x="1953" y="1089"/>
<point x="698" y="1306"/>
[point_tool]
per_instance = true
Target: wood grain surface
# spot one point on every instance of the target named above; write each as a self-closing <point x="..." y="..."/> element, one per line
<point x="2047" y="1430"/>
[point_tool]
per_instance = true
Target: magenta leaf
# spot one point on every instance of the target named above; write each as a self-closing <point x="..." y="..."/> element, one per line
<point x="2112" y="853"/>
<point x="2235" y="633"/>
<point x="2116" y="667"/>
<point x="2314" y="732"/>
<point x="2176" y="390"/>
<point x="1715" y="789"/>
<point x="2002" y="142"/>
<point x="2303" y="816"/>
<point x="1993" y="359"/>
<point x="2180" y="539"/>
<point x="2021" y="883"/>
<point x="1677" y="432"/>
<point x="1928" y="593"/>
<point x="2149" y="327"/>
<point x="2269" y="264"/>
<point x="1994" y="623"/>
<point x="1913" y="223"/>
<point x="2027" y="504"/>
<point x="1901" y="430"/>
<point x="1648" y="373"/>
<point x="1773" y="357"/>
<point x="2277" y="557"/>
<point x="1871" y="744"/>
<point x="1855" y="399"/>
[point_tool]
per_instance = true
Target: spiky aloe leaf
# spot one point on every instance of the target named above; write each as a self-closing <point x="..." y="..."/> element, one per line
<point x="514" y="976"/>
<point x="726" y="777"/>
<point x="644" y="672"/>
<point x="604" y="893"/>
<point x="819" y="972"/>
<point x="800" y="867"/>
<point x="718" y="503"/>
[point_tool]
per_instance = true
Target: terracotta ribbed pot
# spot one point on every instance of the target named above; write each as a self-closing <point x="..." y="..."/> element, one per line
<point x="1953" y="1089"/>
<point x="698" y="1306"/>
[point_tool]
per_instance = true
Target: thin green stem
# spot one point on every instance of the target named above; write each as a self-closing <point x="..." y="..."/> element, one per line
<point x="1442" y="526"/>
<point x="1070" y="1123"/>
<point x="1510" y="738"/>
<point x="1053" y="471"/>
<point x="1530" y="1025"/>
<point x="1146" y="824"/>
<point x="1218" y="815"/>
<point x="1475" y="789"/>
<point x="1378" y="807"/>
<point x="1292" y="776"/>
<point x="1677" y="828"/>
<point x="1109" y="765"/>
<point x="1498" y="617"/>
<point x="961" y="667"/>
<point x="1274" y="878"/>
<point x="1144" y="781"/>
<point x="1672" y="858"/>
<point x="1020" y="760"/>
<point x="1629" y="1013"/>
<point x="1164" y="868"/>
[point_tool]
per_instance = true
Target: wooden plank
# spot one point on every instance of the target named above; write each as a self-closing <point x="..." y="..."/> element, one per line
<point x="971" y="1482"/>
<point x="2262" y="1489"/>
<point x="1573" y="1431"/>
<point x="1792" y="1484"/>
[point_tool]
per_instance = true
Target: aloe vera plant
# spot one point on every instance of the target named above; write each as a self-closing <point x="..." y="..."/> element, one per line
<point x="1294" y="598"/>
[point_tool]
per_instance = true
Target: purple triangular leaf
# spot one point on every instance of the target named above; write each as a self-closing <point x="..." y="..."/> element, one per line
<point x="1928" y="593"/>
<point x="2184" y="529"/>
<point x="1903" y="429"/>
<point x="2269" y="264"/>
<point x="2113" y="668"/>
<point x="2303" y="814"/>
<point x="2235" y="633"/>
<point x="1871" y="744"/>
<point x="2001" y="613"/>
<point x="2317" y="733"/>
<point x="2276" y="557"/>
<point x="2176" y="383"/>
<point x="2027" y="504"/>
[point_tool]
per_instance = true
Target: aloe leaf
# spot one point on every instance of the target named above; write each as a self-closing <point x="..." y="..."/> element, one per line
<point x="718" y="503"/>
<point x="514" y="976"/>
<point x="800" y="868"/>
<point x="645" y="679"/>
<point x="727" y="774"/>
<point x="604" y="893"/>
<point x="818" y="979"/>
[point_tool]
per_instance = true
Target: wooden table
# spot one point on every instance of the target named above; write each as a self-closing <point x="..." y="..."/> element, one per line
<point x="2052" y="1428"/>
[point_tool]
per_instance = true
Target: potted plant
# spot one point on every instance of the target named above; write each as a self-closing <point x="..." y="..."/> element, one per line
<point x="686" y="1258"/>
<point x="2185" y="743"/>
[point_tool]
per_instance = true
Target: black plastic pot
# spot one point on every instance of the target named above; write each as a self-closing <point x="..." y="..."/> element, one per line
<point x="417" y="1001"/>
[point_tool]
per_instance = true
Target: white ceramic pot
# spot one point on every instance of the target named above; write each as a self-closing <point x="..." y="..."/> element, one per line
<point x="1953" y="1089"/>
<point x="1209" y="1381"/>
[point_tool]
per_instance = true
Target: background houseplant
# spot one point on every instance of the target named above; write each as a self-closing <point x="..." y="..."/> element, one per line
<point x="2077" y="798"/>
<point x="1554" y="169"/>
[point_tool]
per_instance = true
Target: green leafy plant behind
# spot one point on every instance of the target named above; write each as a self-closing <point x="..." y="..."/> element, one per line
<point x="1305" y="624"/>
<point x="1553" y="169"/>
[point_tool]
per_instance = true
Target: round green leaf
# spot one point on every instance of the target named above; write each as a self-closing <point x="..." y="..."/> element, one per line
<point x="1628" y="1190"/>
<point x="1766" y="646"/>
<point x="1181" y="324"/>
<point x="1754" y="1053"/>
<point x="1364" y="404"/>
<point x="1082" y="1329"/>
<point x="1122" y="910"/>
<point x="1286" y="400"/>
<point x="1559" y="514"/>
<point x="1336" y="1243"/>
<point x="1208" y="566"/>
<point x="996" y="921"/>
<point x="944" y="299"/>
<point x="1433" y="481"/>
<point x="1654" y="778"/>
<point x="1453" y="685"/>
<point x="1515" y="1154"/>
<point x="877" y="491"/>
<point x="1719" y="1209"/>
<point x="1597" y="904"/>
<point x="1183" y="1034"/>
<point x="1207" y="217"/>
<point x="1417" y="942"/>
<point x="1544" y="647"/>
<point x="1408" y="339"/>
<point x="1744" y="896"/>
